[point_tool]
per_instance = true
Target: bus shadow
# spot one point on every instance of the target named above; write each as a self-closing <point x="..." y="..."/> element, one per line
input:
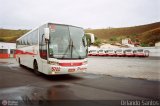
<point x="63" y="77"/>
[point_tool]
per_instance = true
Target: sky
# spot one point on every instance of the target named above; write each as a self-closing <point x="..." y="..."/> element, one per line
<point x="27" y="14"/>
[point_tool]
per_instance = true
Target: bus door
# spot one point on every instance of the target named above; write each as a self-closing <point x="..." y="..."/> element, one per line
<point x="43" y="50"/>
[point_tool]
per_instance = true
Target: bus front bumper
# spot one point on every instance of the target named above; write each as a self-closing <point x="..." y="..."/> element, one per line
<point x="66" y="70"/>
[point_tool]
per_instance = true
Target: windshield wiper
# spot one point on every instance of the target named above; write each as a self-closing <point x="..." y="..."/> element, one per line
<point x="68" y="47"/>
<point x="71" y="46"/>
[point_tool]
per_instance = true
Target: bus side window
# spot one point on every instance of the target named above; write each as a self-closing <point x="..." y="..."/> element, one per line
<point x="42" y="43"/>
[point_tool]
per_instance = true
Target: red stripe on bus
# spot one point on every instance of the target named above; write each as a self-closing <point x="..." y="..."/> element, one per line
<point x="71" y="64"/>
<point x="4" y="55"/>
<point x="22" y="52"/>
<point x="140" y="54"/>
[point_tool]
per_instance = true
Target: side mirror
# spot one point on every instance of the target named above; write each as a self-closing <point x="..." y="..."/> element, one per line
<point x="92" y="38"/>
<point x="46" y="33"/>
<point x="84" y="41"/>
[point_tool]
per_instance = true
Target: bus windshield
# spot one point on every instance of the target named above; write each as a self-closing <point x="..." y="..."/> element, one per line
<point x="118" y="50"/>
<point x="140" y="50"/>
<point x="100" y="50"/>
<point x="128" y="50"/>
<point x="67" y="42"/>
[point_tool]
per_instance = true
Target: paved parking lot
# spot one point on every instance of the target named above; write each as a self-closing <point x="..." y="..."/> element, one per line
<point x="20" y="83"/>
<point x="132" y="67"/>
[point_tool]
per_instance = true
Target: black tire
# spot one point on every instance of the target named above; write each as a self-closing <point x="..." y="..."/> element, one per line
<point x="35" y="67"/>
<point x="19" y="61"/>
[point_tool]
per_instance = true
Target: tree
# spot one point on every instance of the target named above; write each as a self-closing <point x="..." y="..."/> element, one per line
<point x="97" y="42"/>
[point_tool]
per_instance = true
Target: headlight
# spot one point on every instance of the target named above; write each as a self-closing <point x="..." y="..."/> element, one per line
<point x="53" y="63"/>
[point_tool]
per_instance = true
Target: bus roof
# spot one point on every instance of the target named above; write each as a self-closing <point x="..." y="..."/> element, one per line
<point x="64" y="25"/>
<point x="46" y="24"/>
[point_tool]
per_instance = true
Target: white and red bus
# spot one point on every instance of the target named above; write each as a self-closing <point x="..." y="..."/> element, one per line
<point x="110" y="52"/>
<point x="141" y="53"/>
<point x="101" y="52"/>
<point x="93" y="53"/>
<point x="129" y="52"/>
<point x="53" y="49"/>
<point x="120" y="52"/>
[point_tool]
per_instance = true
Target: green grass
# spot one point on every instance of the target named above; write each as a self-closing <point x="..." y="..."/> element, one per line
<point x="8" y="35"/>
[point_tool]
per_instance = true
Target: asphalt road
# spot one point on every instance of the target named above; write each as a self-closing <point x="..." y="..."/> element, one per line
<point x="20" y="83"/>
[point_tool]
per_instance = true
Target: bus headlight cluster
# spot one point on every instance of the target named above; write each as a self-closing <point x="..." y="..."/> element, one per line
<point x="53" y="63"/>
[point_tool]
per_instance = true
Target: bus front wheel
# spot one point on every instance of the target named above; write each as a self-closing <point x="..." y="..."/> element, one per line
<point x="35" y="67"/>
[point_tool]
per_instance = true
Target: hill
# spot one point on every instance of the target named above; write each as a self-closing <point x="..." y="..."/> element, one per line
<point x="145" y="34"/>
<point x="150" y="37"/>
<point x="8" y="35"/>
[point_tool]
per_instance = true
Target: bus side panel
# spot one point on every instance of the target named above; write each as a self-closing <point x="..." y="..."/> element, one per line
<point x="29" y="57"/>
<point x="21" y="55"/>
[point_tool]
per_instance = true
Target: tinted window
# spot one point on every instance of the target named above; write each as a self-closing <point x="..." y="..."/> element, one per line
<point x="128" y="50"/>
<point x="35" y="37"/>
<point x="110" y="50"/>
<point x="140" y="50"/>
<point x="93" y="50"/>
<point x="29" y="39"/>
<point x="3" y="51"/>
<point x="24" y="41"/>
<point x="118" y="50"/>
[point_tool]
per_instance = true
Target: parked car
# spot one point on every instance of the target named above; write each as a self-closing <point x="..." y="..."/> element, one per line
<point x="101" y="53"/>
<point x="141" y="53"/>
<point x="93" y="53"/>
<point x="129" y="52"/>
<point x="110" y="52"/>
<point x="120" y="52"/>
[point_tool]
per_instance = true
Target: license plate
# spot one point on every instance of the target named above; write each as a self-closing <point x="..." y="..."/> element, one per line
<point x="71" y="70"/>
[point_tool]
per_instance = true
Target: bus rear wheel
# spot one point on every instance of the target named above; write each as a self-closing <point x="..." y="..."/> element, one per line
<point x="35" y="67"/>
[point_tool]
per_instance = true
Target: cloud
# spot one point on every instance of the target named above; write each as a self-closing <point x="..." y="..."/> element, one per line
<point x="27" y="14"/>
